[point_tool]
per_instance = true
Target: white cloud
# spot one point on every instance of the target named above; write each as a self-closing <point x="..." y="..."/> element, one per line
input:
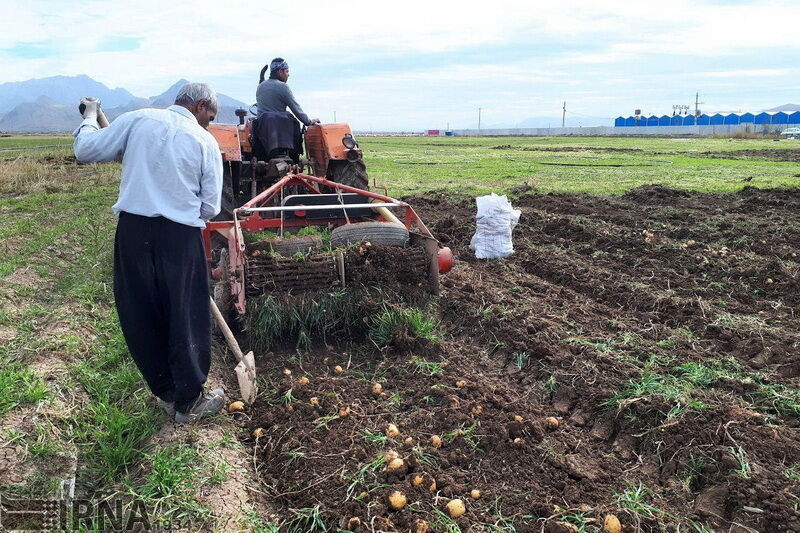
<point x="596" y="53"/>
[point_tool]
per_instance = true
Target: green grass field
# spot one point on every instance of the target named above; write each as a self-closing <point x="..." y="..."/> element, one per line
<point x="62" y="356"/>
<point x="414" y="164"/>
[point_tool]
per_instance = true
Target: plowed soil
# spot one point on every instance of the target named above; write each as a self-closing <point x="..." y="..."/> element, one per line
<point x="661" y="332"/>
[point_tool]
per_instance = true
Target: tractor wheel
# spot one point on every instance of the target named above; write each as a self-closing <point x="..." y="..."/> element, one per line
<point x="350" y="173"/>
<point x="386" y="233"/>
<point x="222" y="291"/>
<point x="228" y="201"/>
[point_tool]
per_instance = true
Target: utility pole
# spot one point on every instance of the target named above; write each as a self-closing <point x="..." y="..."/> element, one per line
<point x="564" y="114"/>
<point x="479" y="119"/>
<point x="697" y="103"/>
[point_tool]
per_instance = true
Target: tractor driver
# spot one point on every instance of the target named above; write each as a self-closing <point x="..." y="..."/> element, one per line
<point x="274" y="94"/>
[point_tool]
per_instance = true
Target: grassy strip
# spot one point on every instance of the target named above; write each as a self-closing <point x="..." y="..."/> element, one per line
<point x="347" y="314"/>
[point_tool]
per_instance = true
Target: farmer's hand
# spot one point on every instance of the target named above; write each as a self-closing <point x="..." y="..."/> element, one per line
<point x="88" y="108"/>
<point x="315" y="121"/>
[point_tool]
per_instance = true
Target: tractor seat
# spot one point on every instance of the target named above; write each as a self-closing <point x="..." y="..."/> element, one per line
<point x="275" y="134"/>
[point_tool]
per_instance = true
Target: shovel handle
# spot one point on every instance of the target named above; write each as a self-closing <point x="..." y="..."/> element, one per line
<point x="226" y="331"/>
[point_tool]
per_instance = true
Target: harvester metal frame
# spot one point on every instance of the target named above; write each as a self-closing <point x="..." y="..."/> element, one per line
<point x="249" y="218"/>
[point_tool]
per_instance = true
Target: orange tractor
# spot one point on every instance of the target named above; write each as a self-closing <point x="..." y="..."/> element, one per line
<point x="251" y="165"/>
<point x="270" y="188"/>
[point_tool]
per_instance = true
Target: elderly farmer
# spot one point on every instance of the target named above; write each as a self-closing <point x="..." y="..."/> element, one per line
<point x="171" y="184"/>
<point x="274" y="94"/>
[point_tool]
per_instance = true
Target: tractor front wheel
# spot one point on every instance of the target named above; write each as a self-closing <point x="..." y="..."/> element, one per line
<point x="350" y="173"/>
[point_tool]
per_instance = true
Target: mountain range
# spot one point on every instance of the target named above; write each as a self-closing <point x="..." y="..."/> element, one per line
<point x="50" y="105"/>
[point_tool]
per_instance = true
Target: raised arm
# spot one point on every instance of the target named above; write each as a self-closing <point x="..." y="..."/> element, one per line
<point x="95" y="145"/>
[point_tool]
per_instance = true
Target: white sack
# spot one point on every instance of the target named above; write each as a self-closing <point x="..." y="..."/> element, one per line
<point x="495" y="223"/>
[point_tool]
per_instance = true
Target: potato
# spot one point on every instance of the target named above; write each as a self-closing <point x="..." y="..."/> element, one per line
<point x="769" y="281"/>
<point x="517" y="418"/>
<point x="611" y="524"/>
<point x="551" y="423"/>
<point x="392" y="431"/>
<point x="397" y="500"/>
<point x="432" y="486"/>
<point x="314" y="400"/>
<point x="353" y="523"/>
<point x="344" y="412"/>
<point x="235" y="406"/>
<point x="436" y="441"/>
<point x="478" y="409"/>
<point x="338" y="369"/>
<point x="395" y="465"/>
<point x="519" y="441"/>
<point x="475" y="494"/>
<point x="377" y="389"/>
<point x="461" y="383"/>
<point x="287" y="372"/>
<point x="420" y="526"/>
<point x="258" y="432"/>
<point x="391" y="455"/>
<point x="456" y="508"/>
<point x="409" y="441"/>
<point x="417" y="480"/>
<point x="303" y="380"/>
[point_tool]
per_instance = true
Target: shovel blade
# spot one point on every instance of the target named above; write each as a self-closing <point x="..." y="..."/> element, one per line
<point x="246" y="376"/>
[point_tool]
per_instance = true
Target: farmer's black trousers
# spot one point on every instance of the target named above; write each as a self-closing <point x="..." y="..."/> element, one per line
<point x="161" y="292"/>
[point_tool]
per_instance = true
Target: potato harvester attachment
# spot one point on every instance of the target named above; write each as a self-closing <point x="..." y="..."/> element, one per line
<point x="367" y="239"/>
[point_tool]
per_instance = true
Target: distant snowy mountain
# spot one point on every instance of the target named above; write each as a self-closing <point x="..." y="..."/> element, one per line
<point x="790" y="108"/>
<point x="60" y="89"/>
<point x="50" y="105"/>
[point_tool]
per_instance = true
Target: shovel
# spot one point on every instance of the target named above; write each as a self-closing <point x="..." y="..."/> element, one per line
<point x="246" y="369"/>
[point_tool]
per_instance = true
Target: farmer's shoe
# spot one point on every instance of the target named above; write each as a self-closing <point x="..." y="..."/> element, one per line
<point x="205" y="405"/>
<point x="168" y="407"/>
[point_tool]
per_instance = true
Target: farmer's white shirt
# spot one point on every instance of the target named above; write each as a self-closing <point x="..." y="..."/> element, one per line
<point x="171" y="166"/>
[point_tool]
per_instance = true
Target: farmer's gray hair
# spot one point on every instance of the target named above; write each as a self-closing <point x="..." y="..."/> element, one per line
<point x="192" y="93"/>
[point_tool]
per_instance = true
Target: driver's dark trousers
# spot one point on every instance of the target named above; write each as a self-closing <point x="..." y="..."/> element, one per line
<point x="161" y="293"/>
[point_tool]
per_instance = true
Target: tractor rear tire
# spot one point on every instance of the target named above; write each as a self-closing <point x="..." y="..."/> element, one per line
<point x="221" y="291"/>
<point x="384" y="233"/>
<point x="350" y="173"/>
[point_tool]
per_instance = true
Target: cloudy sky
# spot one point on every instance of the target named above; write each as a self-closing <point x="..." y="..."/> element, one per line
<point x="426" y="63"/>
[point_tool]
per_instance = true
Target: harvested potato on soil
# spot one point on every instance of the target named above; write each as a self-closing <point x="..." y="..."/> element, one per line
<point x="397" y="500"/>
<point x="611" y="524"/>
<point x="475" y="494"/>
<point x="391" y="455"/>
<point x="235" y="406"/>
<point x="432" y="486"/>
<point x="456" y="508"/>
<point x="392" y="431"/>
<point x="303" y="380"/>
<point x="287" y="372"/>
<point x="461" y="383"/>
<point x="551" y="423"/>
<point x="314" y="400"/>
<point x="258" y="432"/>
<point x="417" y="479"/>
<point x="338" y="369"/>
<point x="395" y="464"/>
<point x="518" y="418"/>
<point x="409" y="441"/>
<point x="478" y="409"/>
<point x="344" y="412"/>
<point x="421" y="526"/>
<point x="353" y="523"/>
<point x="377" y="389"/>
<point x="436" y="441"/>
